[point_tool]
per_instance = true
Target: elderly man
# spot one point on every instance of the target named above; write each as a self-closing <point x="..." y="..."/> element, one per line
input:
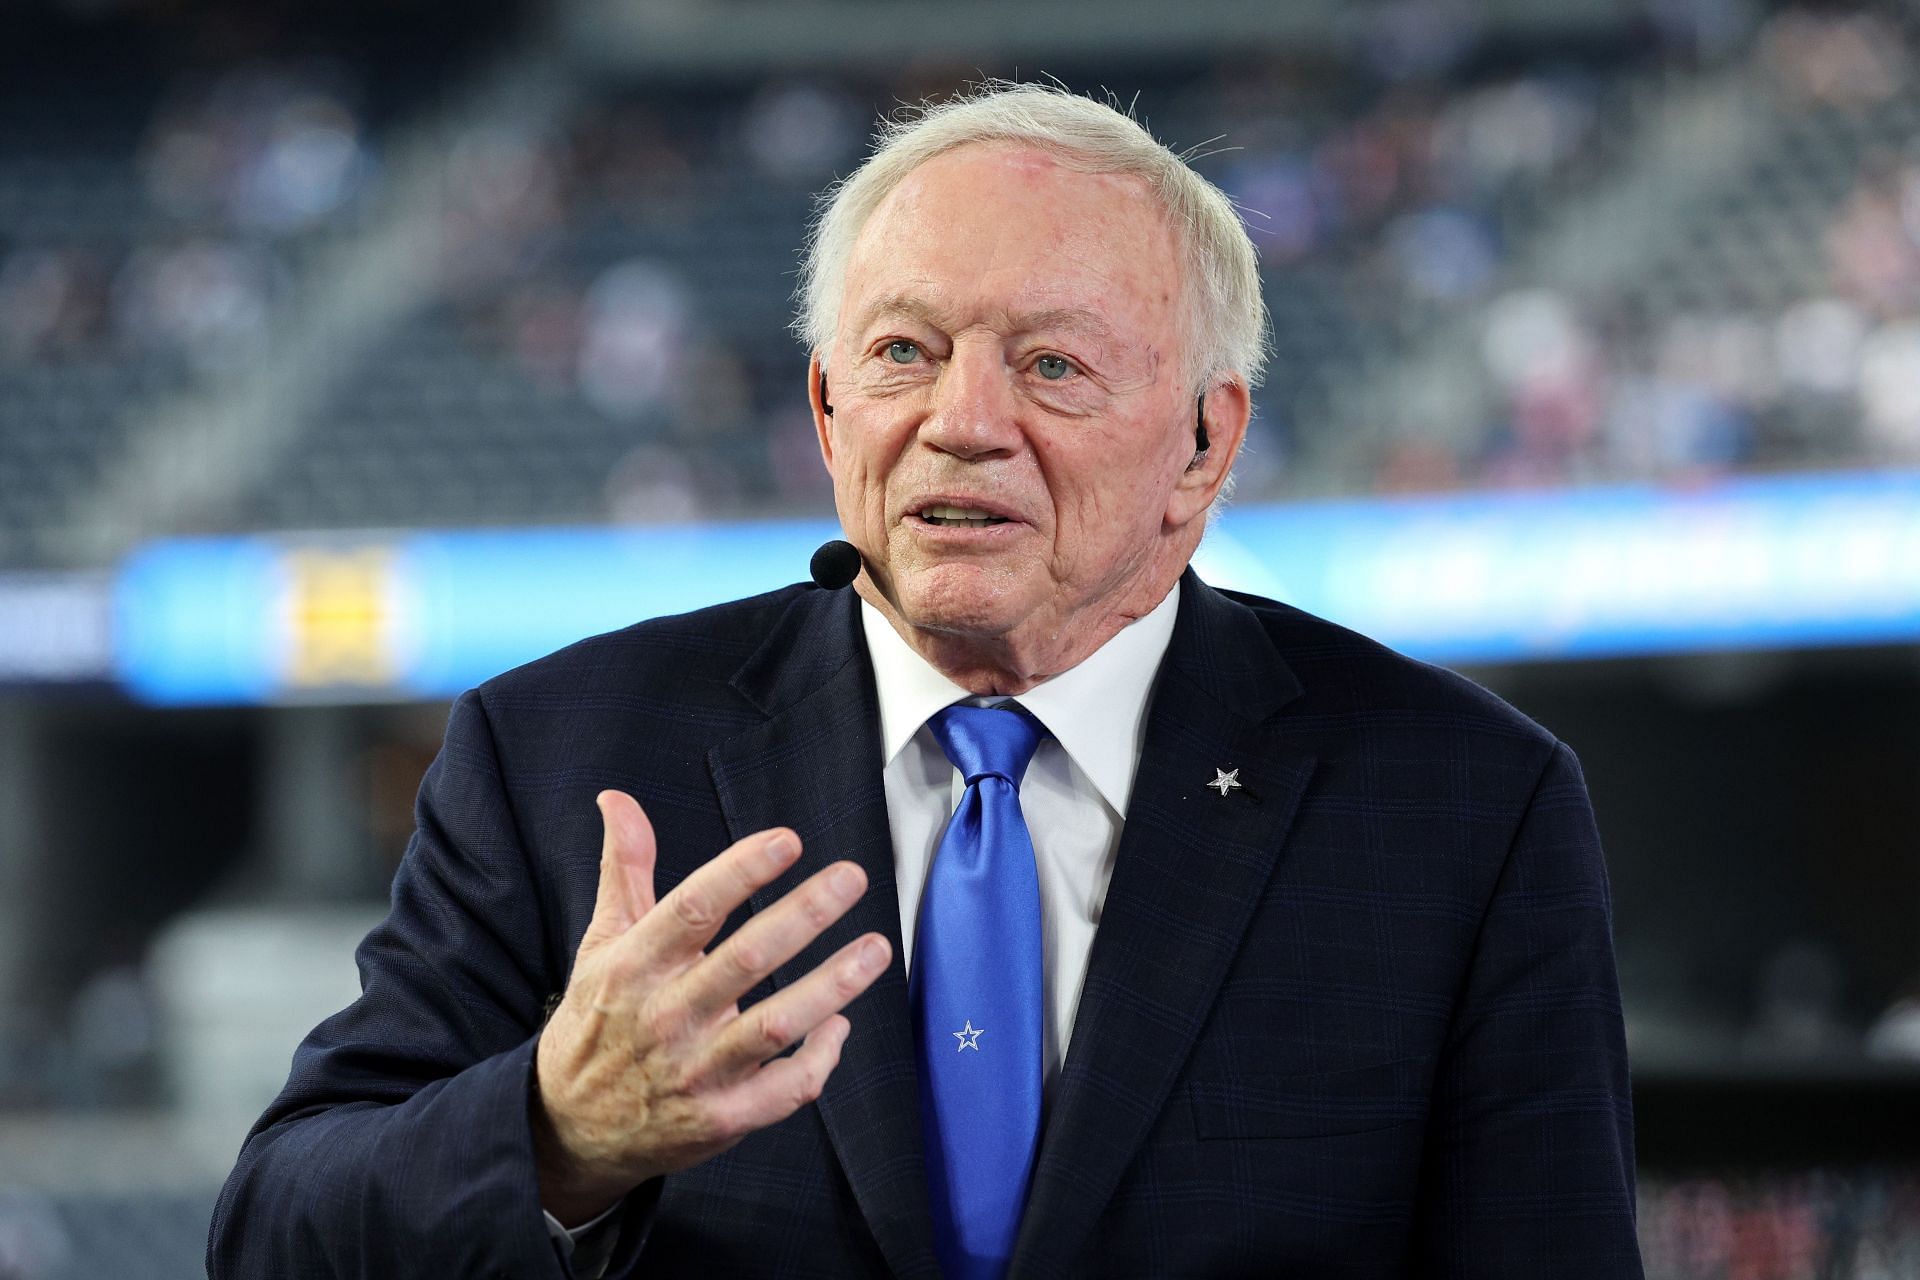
<point x="1123" y="926"/>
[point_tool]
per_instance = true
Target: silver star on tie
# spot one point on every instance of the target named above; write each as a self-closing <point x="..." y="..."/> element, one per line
<point x="970" y="1038"/>
<point x="1225" y="781"/>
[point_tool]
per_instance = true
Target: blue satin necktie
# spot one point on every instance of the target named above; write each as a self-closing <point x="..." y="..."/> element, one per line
<point x="977" y="999"/>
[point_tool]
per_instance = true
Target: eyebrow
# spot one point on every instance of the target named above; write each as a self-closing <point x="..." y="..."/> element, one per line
<point x="913" y="307"/>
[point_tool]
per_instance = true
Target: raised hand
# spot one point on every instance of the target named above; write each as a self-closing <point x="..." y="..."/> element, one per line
<point x="648" y="1066"/>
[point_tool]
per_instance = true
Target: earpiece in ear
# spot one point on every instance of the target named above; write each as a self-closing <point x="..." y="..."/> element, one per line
<point x="1200" y="444"/>
<point x="825" y="407"/>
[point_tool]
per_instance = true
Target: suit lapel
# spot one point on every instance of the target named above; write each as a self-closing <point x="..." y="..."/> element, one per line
<point x="814" y="765"/>
<point x="1190" y="870"/>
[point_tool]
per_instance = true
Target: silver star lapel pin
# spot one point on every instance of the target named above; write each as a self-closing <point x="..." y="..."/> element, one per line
<point x="1225" y="782"/>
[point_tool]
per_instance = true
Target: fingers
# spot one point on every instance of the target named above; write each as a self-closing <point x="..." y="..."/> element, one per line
<point x="785" y="1085"/>
<point x="770" y="939"/>
<point x="802" y="1008"/>
<point x="627" y="853"/>
<point x="652" y="1027"/>
<point x="684" y="922"/>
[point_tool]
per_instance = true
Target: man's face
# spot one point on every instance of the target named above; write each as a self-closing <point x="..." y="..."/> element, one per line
<point x="1012" y="425"/>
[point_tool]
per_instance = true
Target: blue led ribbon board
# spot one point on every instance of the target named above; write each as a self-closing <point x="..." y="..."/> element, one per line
<point x="1792" y="561"/>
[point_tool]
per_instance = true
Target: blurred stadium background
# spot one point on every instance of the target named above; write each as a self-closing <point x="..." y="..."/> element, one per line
<point x="352" y="352"/>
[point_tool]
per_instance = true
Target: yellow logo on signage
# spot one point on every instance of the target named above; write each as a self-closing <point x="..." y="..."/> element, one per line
<point x="339" y="617"/>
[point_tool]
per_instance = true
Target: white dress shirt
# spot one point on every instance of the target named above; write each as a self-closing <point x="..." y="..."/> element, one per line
<point x="1074" y="795"/>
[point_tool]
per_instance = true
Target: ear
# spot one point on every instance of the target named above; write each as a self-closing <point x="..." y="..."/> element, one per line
<point x="1225" y="408"/>
<point x="822" y="414"/>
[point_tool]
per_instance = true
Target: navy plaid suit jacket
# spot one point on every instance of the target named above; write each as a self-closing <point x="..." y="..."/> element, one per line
<point x="1358" y="1019"/>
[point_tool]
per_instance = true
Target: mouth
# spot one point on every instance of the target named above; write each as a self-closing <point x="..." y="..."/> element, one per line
<point x="948" y="516"/>
<point x="959" y="511"/>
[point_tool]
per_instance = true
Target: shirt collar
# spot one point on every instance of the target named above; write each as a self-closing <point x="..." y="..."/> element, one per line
<point x="1096" y="710"/>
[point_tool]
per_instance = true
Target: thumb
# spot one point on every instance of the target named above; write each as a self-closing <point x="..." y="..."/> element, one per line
<point x="626" y="868"/>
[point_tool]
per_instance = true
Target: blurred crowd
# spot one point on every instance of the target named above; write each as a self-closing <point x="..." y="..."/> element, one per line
<point x="1392" y="197"/>
<point x="1708" y="373"/>
<point x="628" y="269"/>
<point x="229" y="173"/>
<point x="1820" y="1225"/>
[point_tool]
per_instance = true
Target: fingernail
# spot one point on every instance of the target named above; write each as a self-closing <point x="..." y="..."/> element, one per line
<point x="846" y="881"/>
<point x="781" y="848"/>
<point x="866" y="960"/>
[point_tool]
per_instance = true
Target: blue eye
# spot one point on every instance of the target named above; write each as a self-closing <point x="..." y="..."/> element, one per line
<point x="1052" y="368"/>
<point x="900" y="351"/>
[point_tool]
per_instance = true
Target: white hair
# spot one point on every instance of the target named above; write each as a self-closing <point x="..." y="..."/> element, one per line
<point x="1227" y="316"/>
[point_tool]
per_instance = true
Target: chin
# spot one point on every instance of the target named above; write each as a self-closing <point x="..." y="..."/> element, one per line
<point x="962" y="599"/>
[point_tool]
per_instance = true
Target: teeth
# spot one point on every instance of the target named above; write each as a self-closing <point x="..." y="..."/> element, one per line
<point x="950" y="515"/>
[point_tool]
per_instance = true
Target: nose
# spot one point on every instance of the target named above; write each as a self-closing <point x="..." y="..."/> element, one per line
<point x="973" y="414"/>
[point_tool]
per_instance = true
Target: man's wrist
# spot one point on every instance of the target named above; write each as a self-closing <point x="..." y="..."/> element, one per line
<point x="568" y="1192"/>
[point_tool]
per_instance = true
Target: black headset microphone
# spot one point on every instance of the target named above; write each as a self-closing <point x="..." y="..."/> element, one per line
<point x="836" y="564"/>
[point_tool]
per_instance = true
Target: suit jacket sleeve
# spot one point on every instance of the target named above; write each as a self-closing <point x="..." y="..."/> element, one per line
<point x="1529" y="1161"/>
<point x="400" y="1145"/>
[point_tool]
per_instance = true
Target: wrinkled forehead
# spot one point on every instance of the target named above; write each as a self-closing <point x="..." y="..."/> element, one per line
<point x="1024" y="230"/>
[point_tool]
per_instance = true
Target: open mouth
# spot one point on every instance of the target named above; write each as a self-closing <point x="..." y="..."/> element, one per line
<point x="960" y="517"/>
